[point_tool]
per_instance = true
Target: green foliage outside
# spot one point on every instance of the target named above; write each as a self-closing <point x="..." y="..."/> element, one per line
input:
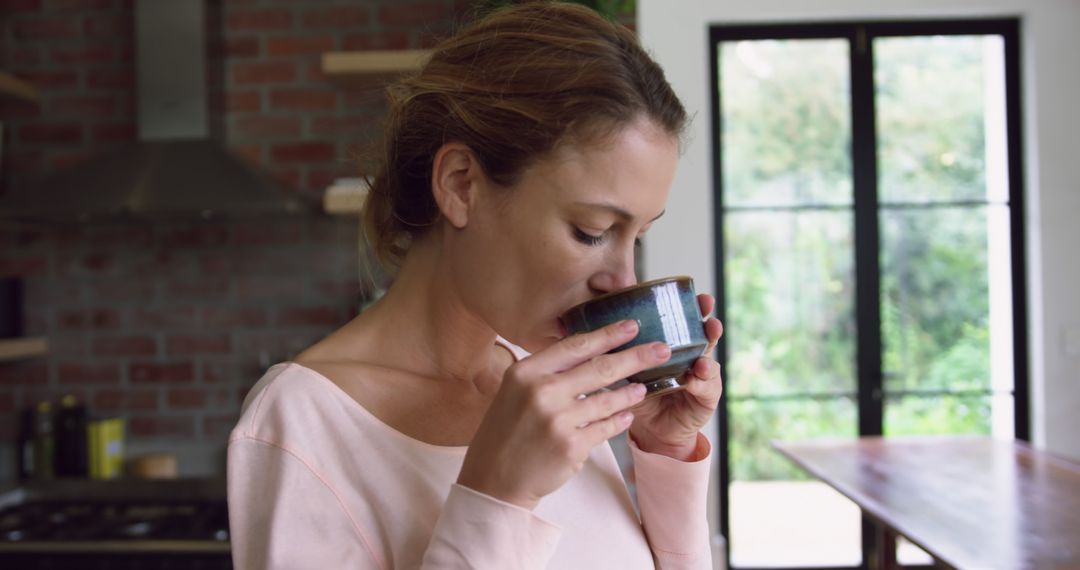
<point x="789" y="271"/>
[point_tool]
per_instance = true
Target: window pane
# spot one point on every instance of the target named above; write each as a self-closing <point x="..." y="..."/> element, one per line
<point x="790" y="298"/>
<point x="786" y="122"/>
<point x="939" y="414"/>
<point x="780" y="516"/>
<point x="946" y="294"/>
<point x="940" y="103"/>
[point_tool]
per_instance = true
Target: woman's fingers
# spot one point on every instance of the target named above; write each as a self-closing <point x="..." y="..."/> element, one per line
<point x="607" y="428"/>
<point x="705" y="383"/>
<point x="576" y="349"/>
<point x="706" y="303"/>
<point x="606" y="369"/>
<point x="602" y="405"/>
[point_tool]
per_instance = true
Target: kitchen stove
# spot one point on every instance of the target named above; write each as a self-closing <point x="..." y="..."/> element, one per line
<point x="90" y="525"/>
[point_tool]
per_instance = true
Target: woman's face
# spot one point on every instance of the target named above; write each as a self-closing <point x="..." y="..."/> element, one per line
<point x="565" y="233"/>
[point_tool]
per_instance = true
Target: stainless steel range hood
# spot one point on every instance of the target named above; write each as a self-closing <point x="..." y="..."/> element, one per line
<point x="175" y="169"/>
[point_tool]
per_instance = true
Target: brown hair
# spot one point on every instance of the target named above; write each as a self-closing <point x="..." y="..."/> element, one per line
<point x="511" y="87"/>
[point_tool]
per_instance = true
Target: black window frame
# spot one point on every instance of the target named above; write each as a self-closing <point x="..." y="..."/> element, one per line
<point x="860" y="35"/>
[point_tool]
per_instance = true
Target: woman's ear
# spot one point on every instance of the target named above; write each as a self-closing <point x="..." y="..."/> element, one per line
<point x="454" y="181"/>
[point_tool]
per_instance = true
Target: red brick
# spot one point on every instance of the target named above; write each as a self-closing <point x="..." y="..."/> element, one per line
<point x="84" y="106"/>
<point x="116" y="79"/>
<point x="84" y="55"/>
<point x="197" y="289"/>
<point x="265" y="233"/>
<point x="413" y="13"/>
<point x="259" y="20"/>
<point x="24" y="266"/>
<point x="126" y="399"/>
<point x="219" y="426"/>
<point x="81" y="5"/>
<point x="108" y="26"/>
<point x="187" y="399"/>
<point x="313" y="73"/>
<point x="154" y="373"/>
<point x="89" y="373"/>
<point x="243" y="101"/>
<point x="259" y="126"/>
<point x="259" y="73"/>
<point x="114" y="133"/>
<point x="88" y="319"/>
<point x="51" y="80"/>
<point x="184" y="345"/>
<point x="303" y="152"/>
<point x="236" y="47"/>
<point x="222" y="372"/>
<point x="299" y="45"/>
<point x="51" y="133"/>
<point x="124" y="346"/>
<point x="7" y="402"/>
<point x="54" y="28"/>
<point x="310" y="316"/>
<point x="173" y="317"/>
<point x="65" y="160"/>
<point x="336" y="17"/>
<point x="9" y="7"/>
<point x="24" y="56"/>
<point x="122" y="290"/>
<point x="303" y="99"/>
<point x="348" y="290"/>
<point x="252" y="288"/>
<point x="162" y="427"/>
<point x="376" y="40"/>
<point x="21" y="373"/>
<point x="342" y="125"/>
<point x="230" y="318"/>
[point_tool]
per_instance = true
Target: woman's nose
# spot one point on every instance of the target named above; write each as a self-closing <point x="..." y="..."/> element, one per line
<point x="619" y="273"/>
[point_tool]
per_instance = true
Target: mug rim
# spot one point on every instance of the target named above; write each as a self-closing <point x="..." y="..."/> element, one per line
<point x="643" y="285"/>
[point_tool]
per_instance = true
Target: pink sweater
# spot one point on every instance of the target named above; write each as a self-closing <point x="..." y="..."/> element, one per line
<point x="317" y="481"/>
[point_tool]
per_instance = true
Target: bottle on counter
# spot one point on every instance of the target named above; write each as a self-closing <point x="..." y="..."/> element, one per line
<point x="44" y="442"/>
<point x="71" y="452"/>
<point x="25" y="452"/>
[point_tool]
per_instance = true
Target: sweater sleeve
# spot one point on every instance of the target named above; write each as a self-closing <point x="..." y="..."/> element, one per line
<point x="283" y="515"/>
<point x="479" y="531"/>
<point x="672" y="496"/>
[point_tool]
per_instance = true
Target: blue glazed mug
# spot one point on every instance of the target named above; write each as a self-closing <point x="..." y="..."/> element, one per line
<point x="666" y="310"/>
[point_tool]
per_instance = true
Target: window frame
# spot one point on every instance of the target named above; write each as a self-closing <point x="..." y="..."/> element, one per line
<point x="870" y="377"/>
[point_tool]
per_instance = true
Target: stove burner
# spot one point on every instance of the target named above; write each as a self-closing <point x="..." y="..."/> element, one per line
<point x="89" y="521"/>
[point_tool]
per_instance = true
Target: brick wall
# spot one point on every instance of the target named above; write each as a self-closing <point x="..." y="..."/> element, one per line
<point x="168" y="325"/>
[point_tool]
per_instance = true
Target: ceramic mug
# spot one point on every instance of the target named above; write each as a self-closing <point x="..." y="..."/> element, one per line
<point x="666" y="310"/>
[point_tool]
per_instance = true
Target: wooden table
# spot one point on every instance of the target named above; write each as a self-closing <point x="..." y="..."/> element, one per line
<point x="971" y="502"/>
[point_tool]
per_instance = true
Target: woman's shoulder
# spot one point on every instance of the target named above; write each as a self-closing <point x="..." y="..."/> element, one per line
<point x="288" y="394"/>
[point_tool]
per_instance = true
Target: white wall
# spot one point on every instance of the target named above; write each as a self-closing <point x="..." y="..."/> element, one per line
<point x="676" y="32"/>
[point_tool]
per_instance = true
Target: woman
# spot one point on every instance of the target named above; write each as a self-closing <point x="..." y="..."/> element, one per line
<point x="445" y="426"/>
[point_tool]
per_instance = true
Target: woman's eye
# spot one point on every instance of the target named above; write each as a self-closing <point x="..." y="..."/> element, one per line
<point x="587" y="238"/>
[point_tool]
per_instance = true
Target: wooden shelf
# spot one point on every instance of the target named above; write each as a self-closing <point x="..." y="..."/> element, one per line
<point x="19" y="348"/>
<point x="12" y="86"/>
<point x="345" y="197"/>
<point x="361" y="65"/>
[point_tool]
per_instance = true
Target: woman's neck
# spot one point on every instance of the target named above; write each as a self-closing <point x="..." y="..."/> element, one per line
<point x="423" y="326"/>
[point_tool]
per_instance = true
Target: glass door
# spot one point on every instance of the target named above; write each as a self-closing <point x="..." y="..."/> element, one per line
<point x="868" y="205"/>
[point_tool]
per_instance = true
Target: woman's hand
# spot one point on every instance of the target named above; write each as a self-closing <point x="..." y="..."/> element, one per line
<point x="539" y="431"/>
<point x="669" y="424"/>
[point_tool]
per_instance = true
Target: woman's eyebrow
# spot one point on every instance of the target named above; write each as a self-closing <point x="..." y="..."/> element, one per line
<point x="619" y="212"/>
